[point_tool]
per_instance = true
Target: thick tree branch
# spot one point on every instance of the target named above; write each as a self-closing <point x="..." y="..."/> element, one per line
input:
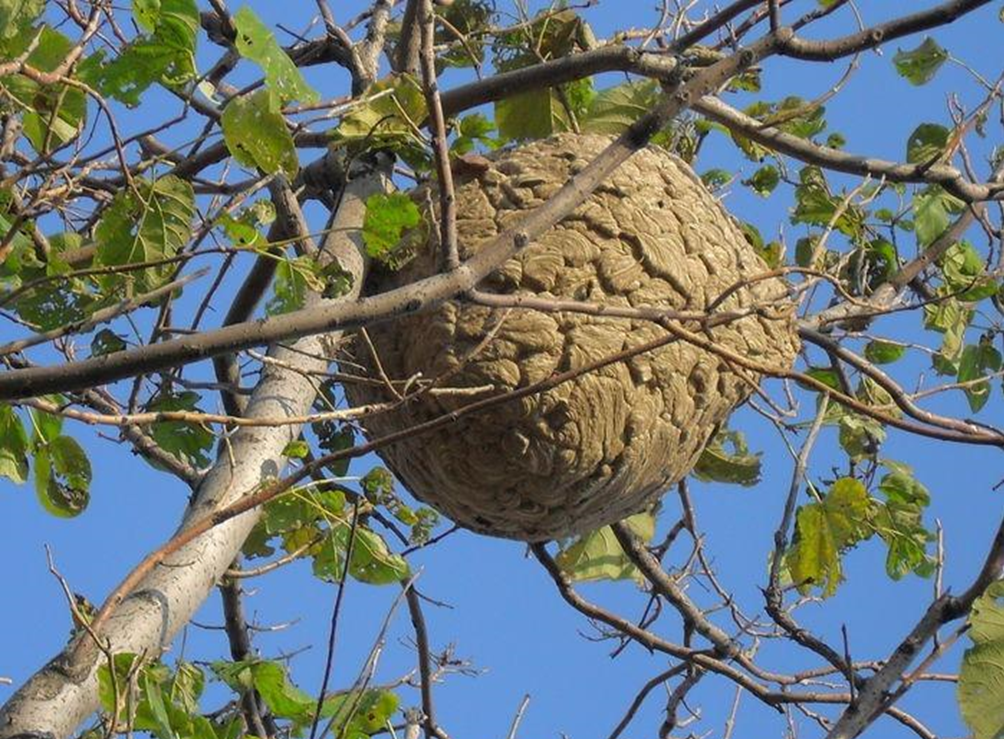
<point x="417" y="297"/>
<point x="833" y="159"/>
<point x="869" y="38"/>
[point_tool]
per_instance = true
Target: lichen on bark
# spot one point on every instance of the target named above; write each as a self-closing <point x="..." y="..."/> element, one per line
<point x="604" y="445"/>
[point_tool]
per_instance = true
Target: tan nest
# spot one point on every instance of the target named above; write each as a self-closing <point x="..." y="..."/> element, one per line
<point x="605" y="444"/>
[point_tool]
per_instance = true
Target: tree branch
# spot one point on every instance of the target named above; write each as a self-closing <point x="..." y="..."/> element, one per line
<point x="417" y="297"/>
<point x="64" y="692"/>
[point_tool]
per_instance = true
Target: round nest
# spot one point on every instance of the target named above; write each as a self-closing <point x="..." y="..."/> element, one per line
<point x="605" y="444"/>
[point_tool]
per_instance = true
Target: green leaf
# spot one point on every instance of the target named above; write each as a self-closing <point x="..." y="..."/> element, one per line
<point x="548" y="35"/>
<point x="146" y="13"/>
<point x="899" y="521"/>
<point x="714" y="179"/>
<point x="47" y="426"/>
<point x="951" y="318"/>
<point x="242" y="229"/>
<point x="255" y="132"/>
<point x="13" y="446"/>
<point x="149" y="224"/>
<point x="186" y="686"/>
<point x="727" y="459"/>
<point x="53" y="305"/>
<point x="166" y="56"/>
<point x="805" y="250"/>
<point x="389" y="116"/>
<point x="927" y="143"/>
<point x="387" y="218"/>
<point x="62" y="477"/>
<point x="52" y="115"/>
<point x="188" y="442"/>
<point x="616" y="108"/>
<point x="981" y="678"/>
<point x="932" y="210"/>
<point x="976" y="362"/>
<point x="154" y="698"/>
<point x="282" y="697"/>
<point x="473" y="129"/>
<point x="106" y="341"/>
<point x="471" y="20"/>
<point x="824" y="375"/>
<point x="965" y="273"/>
<point x="919" y="65"/>
<point x="823" y="531"/>
<point x="257" y="43"/>
<point x="297" y="449"/>
<point x="362" y="714"/>
<point x="531" y="115"/>
<point x="816" y="206"/>
<point x="372" y="561"/>
<point x="109" y="685"/>
<point x="599" y="556"/>
<point x="883" y="352"/>
<point x="17" y="15"/>
<point x="289" y="287"/>
<point x="764" y="180"/>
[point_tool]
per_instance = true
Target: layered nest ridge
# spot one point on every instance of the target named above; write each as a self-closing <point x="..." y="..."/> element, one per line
<point x="608" y="442"/>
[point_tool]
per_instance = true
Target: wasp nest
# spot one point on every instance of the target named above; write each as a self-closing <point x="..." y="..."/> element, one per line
<point x="605" y="444"/>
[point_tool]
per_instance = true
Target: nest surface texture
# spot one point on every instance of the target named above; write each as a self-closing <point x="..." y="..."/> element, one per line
<point x="605" y="444"/>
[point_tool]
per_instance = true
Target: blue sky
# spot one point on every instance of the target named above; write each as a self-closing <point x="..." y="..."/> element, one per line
<point x="504" y="614"/>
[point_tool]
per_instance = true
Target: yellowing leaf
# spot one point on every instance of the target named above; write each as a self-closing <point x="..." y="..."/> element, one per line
<point x="823" y="530"/>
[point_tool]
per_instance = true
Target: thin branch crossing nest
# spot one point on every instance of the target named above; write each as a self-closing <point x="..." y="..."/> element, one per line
<point x="605" y="444"/>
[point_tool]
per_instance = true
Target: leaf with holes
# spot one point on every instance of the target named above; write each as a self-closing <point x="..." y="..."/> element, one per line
<point x="927" y="143"/>
<point x="919" y="65"/>
<point x="62" y="477"/>
<point x="255" y="132"/>
<point x="257" y="43"/>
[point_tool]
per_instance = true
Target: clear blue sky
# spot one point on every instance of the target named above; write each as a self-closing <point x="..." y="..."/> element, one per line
<point x="505" y="615"/>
